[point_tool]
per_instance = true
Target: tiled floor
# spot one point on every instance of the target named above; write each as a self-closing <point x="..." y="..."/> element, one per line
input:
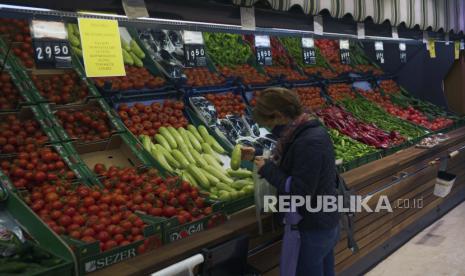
<point x="437" y="250"/>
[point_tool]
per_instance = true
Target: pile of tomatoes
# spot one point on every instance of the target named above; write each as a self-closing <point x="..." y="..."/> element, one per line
<point x="201" y="76"/>
<point x="389" y="86"/>
<point x="148" y="118"/>
<point x="36" y="165"/>
<point x="149" y="193"/>
<point x="17" y="134"/>
<point x="317" y="70"/>
<point x="17" y="33"/>
<point x="227" y="104"/>
<point x="10" y="97"/>
<point x="88" y="124"/>
<point x="286" y="72"/>
<point x="310" y="97"/>
<point x="330" y="50"/>
<point x="87" y="214"/>
<point x="247" y="73"/>
<point x="61" y="88"/>
<point x="136" y="78"/>
<point x="366" y="68"/>
<point x="340" y="91"/>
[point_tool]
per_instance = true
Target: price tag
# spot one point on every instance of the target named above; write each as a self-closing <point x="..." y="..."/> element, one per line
<point x="308" y="50"/>
<point x="462" y="44"/>
<point x="403" y="52"/>
<point x="194" y="50"/>
<point x="432" y="48"/>
<point x="51" y="46"/>
<point x="263" y="50"/>
<point x="456" y="49"/>
<point x="135" y="8"/>
<point x="395" y="33"/>
<point x="360" y="30"/>
<point x="344" y="49"/>
<point x="379" y="51"/>
<point x="446" y="38"/>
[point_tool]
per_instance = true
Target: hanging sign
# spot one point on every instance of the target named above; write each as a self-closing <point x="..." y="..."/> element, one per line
<point x="379" y="51"/>
<point x="432" y="48"/>
<point x="51" y="46"/>
<point x="101" y="47"/>
<point x="263" y="50"/>
<point x="344" y="49"/>
<point x="194" y="49"/>
<point x="462" y="44"/>
<point x="318" y="24"/>
<point x="403" y="52"/>
<point x="248" y="18"/>
<point x="360" y="30"/>
<point x="456" y="49"/>
<point x="395" y="33"/>
<point x="446" y="38"/>
<point x="135" y="8"/>
<point x="308" y="50"/>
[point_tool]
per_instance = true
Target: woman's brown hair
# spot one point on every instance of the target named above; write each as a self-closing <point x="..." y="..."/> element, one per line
<point x="276" y="99"/>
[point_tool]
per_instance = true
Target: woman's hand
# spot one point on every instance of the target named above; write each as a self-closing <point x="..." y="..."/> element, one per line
<point x="259" y="162"/>
<point x="247" y="153"/>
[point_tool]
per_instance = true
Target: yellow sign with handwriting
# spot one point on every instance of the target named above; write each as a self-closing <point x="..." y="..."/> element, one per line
<point x="457" y="49"/>
<point x="101" y="47"/>
<point x="432" y="48"/>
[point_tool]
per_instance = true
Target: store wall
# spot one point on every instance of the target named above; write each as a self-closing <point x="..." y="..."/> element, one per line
<point x="421" y="75"/>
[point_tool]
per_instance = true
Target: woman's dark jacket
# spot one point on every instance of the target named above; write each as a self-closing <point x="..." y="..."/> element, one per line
<point x="309" y="158"/>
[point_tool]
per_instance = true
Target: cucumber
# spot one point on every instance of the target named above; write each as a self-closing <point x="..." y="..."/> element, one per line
<point x="186" y="176"/>
<point x="185" y="151"/>
<point x="73" y="40"/>
<point x="194" y="142"/>
<point x="236" y="157"/>
<point x="162" y="141"/>
<point x="212" y="161"/>
<point x="208" y="150"/>
<point x="198" y="159"/>
<point x="196" y="133"/>
<point x="176" y="135"/>
<point x="183" y="132"/>
<point x="203" y="132"/>
<point x="225" y="187"/>
<point x="146" y="143"/>
<point x="77" y="51"/>
<point x="240" y="173"/>
<point x="224" y="195"/>
<point x="136" y="49"/>
<point x="125" y="45"/>
<point x="137" y="61"/>
<point x="248" y="189"/>
<point x="239" y="184"/>
<point x="215" y="145"/>
<point x="69" y="29"/>
<point x="168" y="156"/>
<point x="160" y="158"/>
<point x="167" y="135"/>
<point x="127" y="58"/>
<point x="199" y="176"/>
<point x="213" y="190"/>
<point x="218" y="174"/>
<point x="211" y="178"/>
<point x="180" y="158"/>
<point x="76" y="29"/>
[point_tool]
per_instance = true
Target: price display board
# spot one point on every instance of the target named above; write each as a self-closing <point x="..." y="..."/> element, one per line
<point x="194" y="49"/>
<point x="51" y="46"/>
<point x="308" y="50"/>
<point x="379" y="51"/>
<point x="344" y="49"/>
<point x="263" y="50"/>
<point x="403" y="52"/>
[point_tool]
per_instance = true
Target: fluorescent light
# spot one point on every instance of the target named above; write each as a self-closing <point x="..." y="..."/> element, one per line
<point x="2" y="6"/>
<point x="189" y="22"/>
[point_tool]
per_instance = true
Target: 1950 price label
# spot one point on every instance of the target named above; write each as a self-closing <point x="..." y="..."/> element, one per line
<point x="264" y="56"/>
<point x="195" y="55"/>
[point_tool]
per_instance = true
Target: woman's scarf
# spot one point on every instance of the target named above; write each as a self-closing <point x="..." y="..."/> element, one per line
<point x="287" y="135"/>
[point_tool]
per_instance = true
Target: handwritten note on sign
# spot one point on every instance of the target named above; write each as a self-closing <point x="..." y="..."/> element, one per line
<point x="101" y="47"/>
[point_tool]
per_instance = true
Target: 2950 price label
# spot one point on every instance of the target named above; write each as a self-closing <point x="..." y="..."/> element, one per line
<point x="195" y="55"/>
<point x="264" y="56"/>
<point x="309" y="55"/>
<point x="52" y="54"/>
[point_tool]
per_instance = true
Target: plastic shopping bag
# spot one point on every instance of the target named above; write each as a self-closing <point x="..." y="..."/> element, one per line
<point x="262" y="188"/>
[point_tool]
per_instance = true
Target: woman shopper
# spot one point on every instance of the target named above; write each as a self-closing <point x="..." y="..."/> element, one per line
<point x="304" y="161"/>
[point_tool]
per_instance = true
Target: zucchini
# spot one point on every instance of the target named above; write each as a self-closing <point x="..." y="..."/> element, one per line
<point x="236" y="157"/>
<point x="168" y="156"/>
<point x="180" y="158"/>
<point x="194" y="142"/>
<point x="195" y="132"/>
<point x="240" y="173"/>
<point x="198" y="159"/>
<point x="183" y="132"/>
<point x="167" y="135"/>
<point x="208" y="150"/>
<point x="218" y="174"/>
<point x="185" y="151"/>
<point x="176" y="135"/>
<point x="160" y="158"/>
<point x="199" y="176"/>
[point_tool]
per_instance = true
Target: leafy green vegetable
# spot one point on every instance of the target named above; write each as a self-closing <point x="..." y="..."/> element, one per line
<point x="226" y="49"/>
<point x="294" y="47"/>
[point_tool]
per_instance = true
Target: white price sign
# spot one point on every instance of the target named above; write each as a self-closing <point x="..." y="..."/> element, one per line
<point x="308" y="42"/>
<point x="191" y="37"/>
<point x="262" y="41"/>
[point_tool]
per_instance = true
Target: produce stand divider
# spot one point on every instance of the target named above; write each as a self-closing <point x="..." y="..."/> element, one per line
<point x="40" y="232"/>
